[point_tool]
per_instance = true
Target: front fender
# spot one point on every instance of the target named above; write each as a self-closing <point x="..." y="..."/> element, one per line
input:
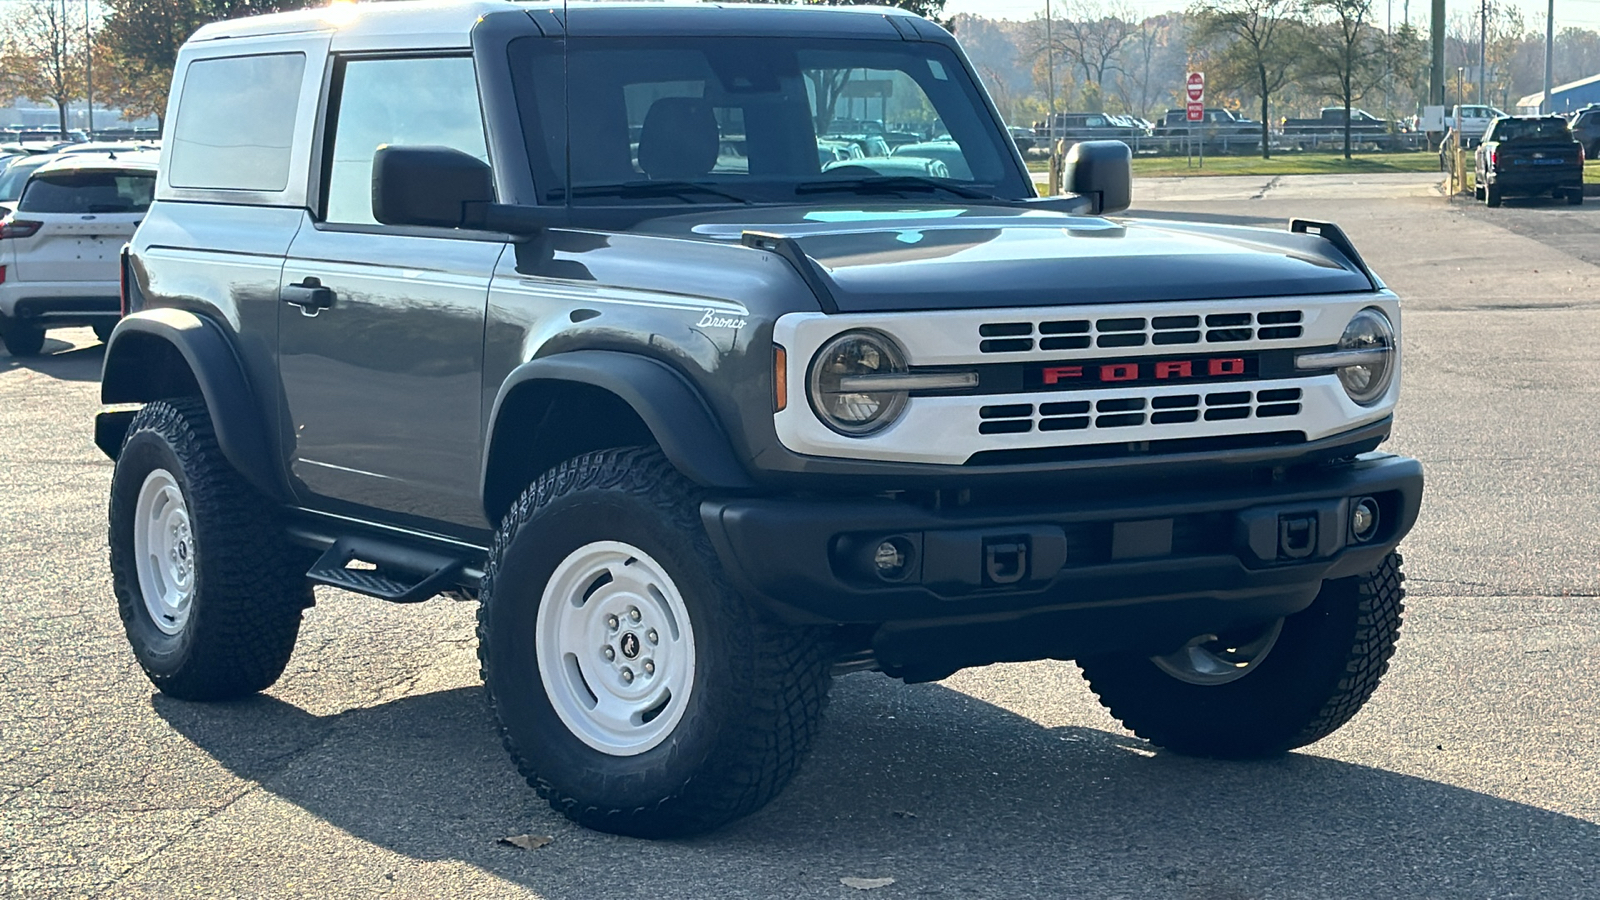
<point x="162" y="353"/>
<point x="677" y="416"/>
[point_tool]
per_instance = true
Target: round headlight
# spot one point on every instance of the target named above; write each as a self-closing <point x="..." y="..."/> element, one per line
<point x="1369" y="330"/>
<point x="841" y="378"/>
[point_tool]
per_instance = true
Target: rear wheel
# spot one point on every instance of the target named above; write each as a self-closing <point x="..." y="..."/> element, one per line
<point x="209" y="590"/>
<point x="102" y="330"/>
<point x="1264" y="690"/>
<point x="1491" y="195"/>
<point x="1575" y="196"/>
<point x="637" y="691"/>
<point x="24" y="340"/>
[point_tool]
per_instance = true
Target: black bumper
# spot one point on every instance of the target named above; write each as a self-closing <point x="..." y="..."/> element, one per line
<point x="1066" y="579"/>
<point x="1534" y="180"/>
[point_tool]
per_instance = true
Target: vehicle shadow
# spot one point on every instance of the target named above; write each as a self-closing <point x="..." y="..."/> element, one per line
<point x="60" y="360"/>
<point x="949" y="795"/>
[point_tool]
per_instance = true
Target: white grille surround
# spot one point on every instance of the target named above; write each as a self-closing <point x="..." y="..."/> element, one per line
<point x="951" y="429"/>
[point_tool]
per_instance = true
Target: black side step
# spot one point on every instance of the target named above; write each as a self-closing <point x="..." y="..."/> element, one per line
<point x="402" y="574"/>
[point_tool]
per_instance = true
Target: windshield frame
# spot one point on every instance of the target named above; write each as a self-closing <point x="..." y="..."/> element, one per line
<point x="533" y="63"/>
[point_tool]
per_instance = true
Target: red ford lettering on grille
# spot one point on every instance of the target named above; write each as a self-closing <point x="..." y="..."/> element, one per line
<point x="1184" y="369"/>
<point x="1226" y="367"/>
<point x="1057" y="374"/>
<point x="1120" y="372"/>
<point x="1131" y="373"/>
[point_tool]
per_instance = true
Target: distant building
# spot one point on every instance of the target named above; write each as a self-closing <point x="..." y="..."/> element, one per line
<point x="1563" y="98"/>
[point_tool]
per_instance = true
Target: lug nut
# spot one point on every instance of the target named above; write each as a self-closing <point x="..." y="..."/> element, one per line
<point x="627" y="676"/>
<point x="610" y="653"/>
<point x="649" y="667"/>
<point x="612" y="623"/>
<point x="634" y="614"/>
<point x="652" y="637"/>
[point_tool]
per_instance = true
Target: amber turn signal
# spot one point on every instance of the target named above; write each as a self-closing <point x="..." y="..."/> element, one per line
<point x="780" y="378"/>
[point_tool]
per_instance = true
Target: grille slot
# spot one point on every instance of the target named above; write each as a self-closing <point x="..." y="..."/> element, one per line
<point x="1131" y="411"/>
<point x="1133" y="331"/>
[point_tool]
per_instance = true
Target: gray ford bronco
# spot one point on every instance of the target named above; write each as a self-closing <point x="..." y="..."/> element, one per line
<point x="583" y="315"/>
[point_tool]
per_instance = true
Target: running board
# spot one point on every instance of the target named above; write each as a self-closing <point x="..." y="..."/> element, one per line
<point x="398" y="574"/>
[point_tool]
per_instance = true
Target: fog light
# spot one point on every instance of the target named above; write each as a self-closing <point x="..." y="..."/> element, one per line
<point x="1364" y="519"/>
<point x="892" y="559"/>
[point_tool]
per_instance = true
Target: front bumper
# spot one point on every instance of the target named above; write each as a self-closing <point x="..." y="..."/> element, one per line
<point x="1062" y="579"/>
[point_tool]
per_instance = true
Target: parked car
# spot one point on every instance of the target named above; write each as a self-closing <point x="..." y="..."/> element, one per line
<point x="59" y="249"/>
<point x="1073" y="127"/>
<point x="694" y="440"/>
<point x="15" y="175"/>
<point x="1586" y="129"/>
<point x="1024" y="138"/>
<point x="1528" y="156"/>
<point x="829" y="151"/>
<point x="916" y="166"/>
<point x="1331" y="119"/>
<point x="947" y="152"/>
<point x="1472" y="120"/>
<point x="1217" y="123"/>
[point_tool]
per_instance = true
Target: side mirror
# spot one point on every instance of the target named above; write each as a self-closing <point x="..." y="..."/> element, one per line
<point x="430" y="186"/>
<point x="1101" y="171"/>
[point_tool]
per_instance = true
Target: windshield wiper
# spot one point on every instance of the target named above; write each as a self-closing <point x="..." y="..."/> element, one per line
<point x="890" y="184"/>
<point x="643" y="189"/>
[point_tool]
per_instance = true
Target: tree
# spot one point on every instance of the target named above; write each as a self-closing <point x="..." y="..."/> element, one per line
<point x="141" y="40"/>
<point x="1257" y="44"/>
<point x="42" y="55"/>
<point x="1343" y="53"/>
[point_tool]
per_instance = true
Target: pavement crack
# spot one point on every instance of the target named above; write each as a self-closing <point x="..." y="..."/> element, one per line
<point x="1267" y="187"/>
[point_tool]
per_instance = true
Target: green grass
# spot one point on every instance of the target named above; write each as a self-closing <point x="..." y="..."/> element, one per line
<point x="1281" y="164"/>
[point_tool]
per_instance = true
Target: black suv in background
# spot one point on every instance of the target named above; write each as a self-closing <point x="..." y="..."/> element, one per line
<point x="1586" y="130"/>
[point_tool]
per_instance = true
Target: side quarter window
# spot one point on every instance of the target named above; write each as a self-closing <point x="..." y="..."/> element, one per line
<point x="405" y="102"/>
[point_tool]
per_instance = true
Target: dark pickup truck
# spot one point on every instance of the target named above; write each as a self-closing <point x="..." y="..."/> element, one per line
<point x="1332" y="118"/>
<point x="1529" y="156"/>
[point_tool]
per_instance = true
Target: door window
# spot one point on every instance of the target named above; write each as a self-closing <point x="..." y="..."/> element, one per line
<point x="404" y="102"/>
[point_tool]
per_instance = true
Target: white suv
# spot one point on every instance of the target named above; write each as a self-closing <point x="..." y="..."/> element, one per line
<point x="58" y="250"/>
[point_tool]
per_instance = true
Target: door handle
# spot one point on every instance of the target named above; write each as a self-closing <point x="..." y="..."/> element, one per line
<point x="309" y="295"/>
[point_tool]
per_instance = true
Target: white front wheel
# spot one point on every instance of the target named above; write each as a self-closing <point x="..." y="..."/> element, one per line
<point x="615" y="650"/>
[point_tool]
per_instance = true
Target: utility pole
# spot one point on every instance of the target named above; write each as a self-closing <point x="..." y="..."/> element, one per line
<point x="88" y="69"/>
<point x="1483" y="52"/>
<point x="1548" y="106"/>
<point x="1050" y="72"/>
<point x="1436" y="69"/>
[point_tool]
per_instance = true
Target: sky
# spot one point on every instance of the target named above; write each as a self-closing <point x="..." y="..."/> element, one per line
<point x="1582" y="13"/>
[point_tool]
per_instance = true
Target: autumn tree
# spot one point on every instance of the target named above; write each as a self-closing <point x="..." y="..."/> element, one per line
<point x="1254" y="47"/>
<point x="1343" y="54"/>
<point x="41" y="53"/>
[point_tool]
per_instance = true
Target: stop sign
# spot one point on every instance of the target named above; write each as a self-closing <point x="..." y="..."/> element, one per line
<point x="1197" y="87"/>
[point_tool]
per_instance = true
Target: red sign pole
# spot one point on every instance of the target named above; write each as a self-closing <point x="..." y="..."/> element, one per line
<point x="1195" y="88"/>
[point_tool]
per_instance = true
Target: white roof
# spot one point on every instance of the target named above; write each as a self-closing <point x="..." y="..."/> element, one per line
<point x="129" y="159"/>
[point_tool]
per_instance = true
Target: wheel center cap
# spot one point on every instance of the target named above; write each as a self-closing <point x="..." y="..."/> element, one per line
<point x="630" y="645"/>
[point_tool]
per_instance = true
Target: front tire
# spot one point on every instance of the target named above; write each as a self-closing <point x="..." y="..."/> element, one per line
<point x="635" y="690"/>
<point x="209" y="590"/>
<point x="1262" y="693"/>
<point x="24" y="340"/>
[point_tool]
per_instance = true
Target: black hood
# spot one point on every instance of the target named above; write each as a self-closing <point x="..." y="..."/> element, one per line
<point x="882" y="259"/>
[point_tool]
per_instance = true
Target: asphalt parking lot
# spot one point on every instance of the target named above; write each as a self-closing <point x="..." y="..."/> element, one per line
<point x="372" y="768"/>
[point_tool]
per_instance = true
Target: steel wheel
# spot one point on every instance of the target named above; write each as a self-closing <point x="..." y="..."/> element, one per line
<point x="163" y="546"/>
<point x="1211" y="659"/>
<point x="614" y="647"/>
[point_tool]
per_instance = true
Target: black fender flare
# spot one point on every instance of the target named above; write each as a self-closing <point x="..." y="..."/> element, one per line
<point x="215" y="368"/>
<point x="674" y="411"/>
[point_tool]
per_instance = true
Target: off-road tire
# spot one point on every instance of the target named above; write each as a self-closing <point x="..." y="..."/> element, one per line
<point x="1325" y="666"/>
<point x="250" y="587"/>
<point x="1575" y="197"/>
<point x="759" y="686"/>
<point x="24" y="340"/>
<point x="1491" y="195"/>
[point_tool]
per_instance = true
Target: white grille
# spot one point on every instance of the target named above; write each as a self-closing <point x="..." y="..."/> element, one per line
<point x="1121" y="332"/>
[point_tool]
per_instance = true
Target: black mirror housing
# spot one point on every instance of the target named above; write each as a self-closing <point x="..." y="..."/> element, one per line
<point x="1102" y="171"/>
<point x="428" y="186"/>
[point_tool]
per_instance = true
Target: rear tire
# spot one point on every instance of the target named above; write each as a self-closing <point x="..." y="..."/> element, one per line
<point x="636" y="691"/>
<point x="1575" y="197"/>
<point x="209" y="590"/>
<point x="102" y="330"/>
<point x="24" y="340"/>
<point x="1291" y="689"/>
<point x="1491" y="195"/>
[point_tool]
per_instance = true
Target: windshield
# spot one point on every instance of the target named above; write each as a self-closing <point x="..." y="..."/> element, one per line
<point x="16" y="175"/>
<point x="1532" y="129"/>
<point x="757" y="118"/>
<point x="89" y="192"/>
